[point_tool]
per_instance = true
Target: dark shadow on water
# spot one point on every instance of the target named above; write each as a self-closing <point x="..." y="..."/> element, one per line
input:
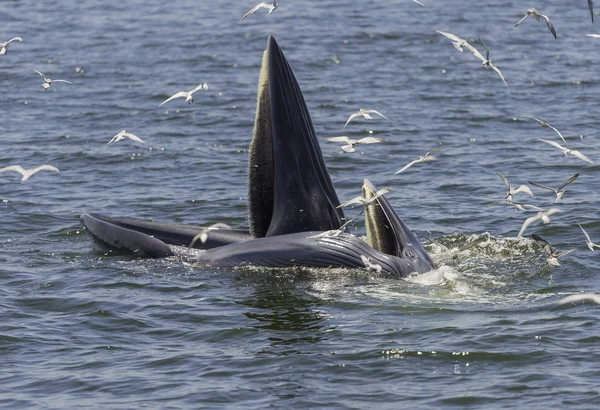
<point x="280" y="303"/>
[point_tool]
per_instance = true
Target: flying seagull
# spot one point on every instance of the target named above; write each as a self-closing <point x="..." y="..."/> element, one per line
<point x="487" y="62"/>
<point x="203" y="235"/>
<point x="558" y="191"/>
<point x="48" y="81"/>
<point x="591" y="245"/>
<point x="460" y="43"/>
<point x="567" y="151"/>
<point x="543" y="215"/>
<point x="4" y="46"/>
<point x="350" y="143"/>
<point x="27" y="173"/>
<point x="534" y="13"/>
<point x="552" y="253"/>
<point x="513" y="191"/>
<point x="427" y="158"/>
<point x="544" y="124"/>
<point x="365" y="113"/>
<point x="271" y="6"/>
<point x="124" y="134"/>
<point x="593" y="35"/>
<point x="418" y="2"/>
<point x="364" y="201"/>
<point x="189" y="95"/>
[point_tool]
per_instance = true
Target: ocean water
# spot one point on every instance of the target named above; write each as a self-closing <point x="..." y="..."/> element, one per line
<point x="79" y="328"/>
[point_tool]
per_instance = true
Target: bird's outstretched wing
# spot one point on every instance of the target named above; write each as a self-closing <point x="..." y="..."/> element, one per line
<point x="533" y="207"/>
<point x="133" y="137"/>
<point x="555" y="144"/>
<point x="544" y="187"/>
<point x="180" y="94"/>
<point x="531" y="118"/>
<point x="474" y="51"/>
<point x="550" y="26"/>
<point x="568" y="181"/>
<point x="39" y="72"/>
<point x="341" y="138"/>
<point x="434" y="150"/>
<point x="353" y="116"/>
<point x="543" y="243"/>
<point x="496" y="69"/>
<point x="410" y="164"/>
<point x="582" y="230"/>
<point x="380" y="192"/>
<point x="16" y="168"/>
<point x="355" y="200"/>
<point x="258" y="6"/>
<point x="527" y="222"/>
<point x="523" y="188"/>
<point x="369" y="140"/>
<point x="581" y="156"/>
<point x="523" y="19"/>
<point x="563" y="253"/>
<point x="558" y="132"/>
<point x="378" y="113"/>
<point x="504" y="179"/>
<point x="450" y="36"/>
<point x="45" y="168"/>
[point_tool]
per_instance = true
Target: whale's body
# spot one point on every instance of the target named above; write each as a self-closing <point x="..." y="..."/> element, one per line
<point x="294" y="212"/>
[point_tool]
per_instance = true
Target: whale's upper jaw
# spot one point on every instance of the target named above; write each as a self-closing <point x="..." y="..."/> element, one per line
<point x="289" y="186"/>
<point x="388" y="234"/>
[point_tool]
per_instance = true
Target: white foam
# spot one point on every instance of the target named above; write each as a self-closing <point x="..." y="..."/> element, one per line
<point x="435" y="277"/>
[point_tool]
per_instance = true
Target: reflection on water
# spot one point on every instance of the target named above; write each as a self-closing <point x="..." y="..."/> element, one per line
<point x="280" y="303"/>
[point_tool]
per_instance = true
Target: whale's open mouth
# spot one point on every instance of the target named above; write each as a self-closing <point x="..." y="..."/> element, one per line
<point x="387" y="233"/>
<point x="289" y="187"/>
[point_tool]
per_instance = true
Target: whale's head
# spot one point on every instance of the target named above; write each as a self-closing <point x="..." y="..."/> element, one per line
<point x="388" y="234"/>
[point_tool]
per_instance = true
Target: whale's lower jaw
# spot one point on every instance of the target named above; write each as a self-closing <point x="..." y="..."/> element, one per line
<point x="152" y="239"/>
<point x="309" y="249"/>
<point x="231" y="248"/>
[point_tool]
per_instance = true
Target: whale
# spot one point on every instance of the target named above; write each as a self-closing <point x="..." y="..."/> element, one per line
<point x="294" y="214"/>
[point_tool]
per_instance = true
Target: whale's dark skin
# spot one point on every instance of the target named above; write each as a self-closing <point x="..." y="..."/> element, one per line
<point x="292" y="204"/>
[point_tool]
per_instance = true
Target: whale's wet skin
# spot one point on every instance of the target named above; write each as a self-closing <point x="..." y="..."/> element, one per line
<point x="294" y="212"/>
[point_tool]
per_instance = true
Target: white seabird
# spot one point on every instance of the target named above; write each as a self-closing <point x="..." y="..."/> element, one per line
<point x="189" y="95"/>
<point x="124" y="134"/>
<point x="350" y="143"/>
<point x="270" y="6"/>
<point x="27" y="173"/>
